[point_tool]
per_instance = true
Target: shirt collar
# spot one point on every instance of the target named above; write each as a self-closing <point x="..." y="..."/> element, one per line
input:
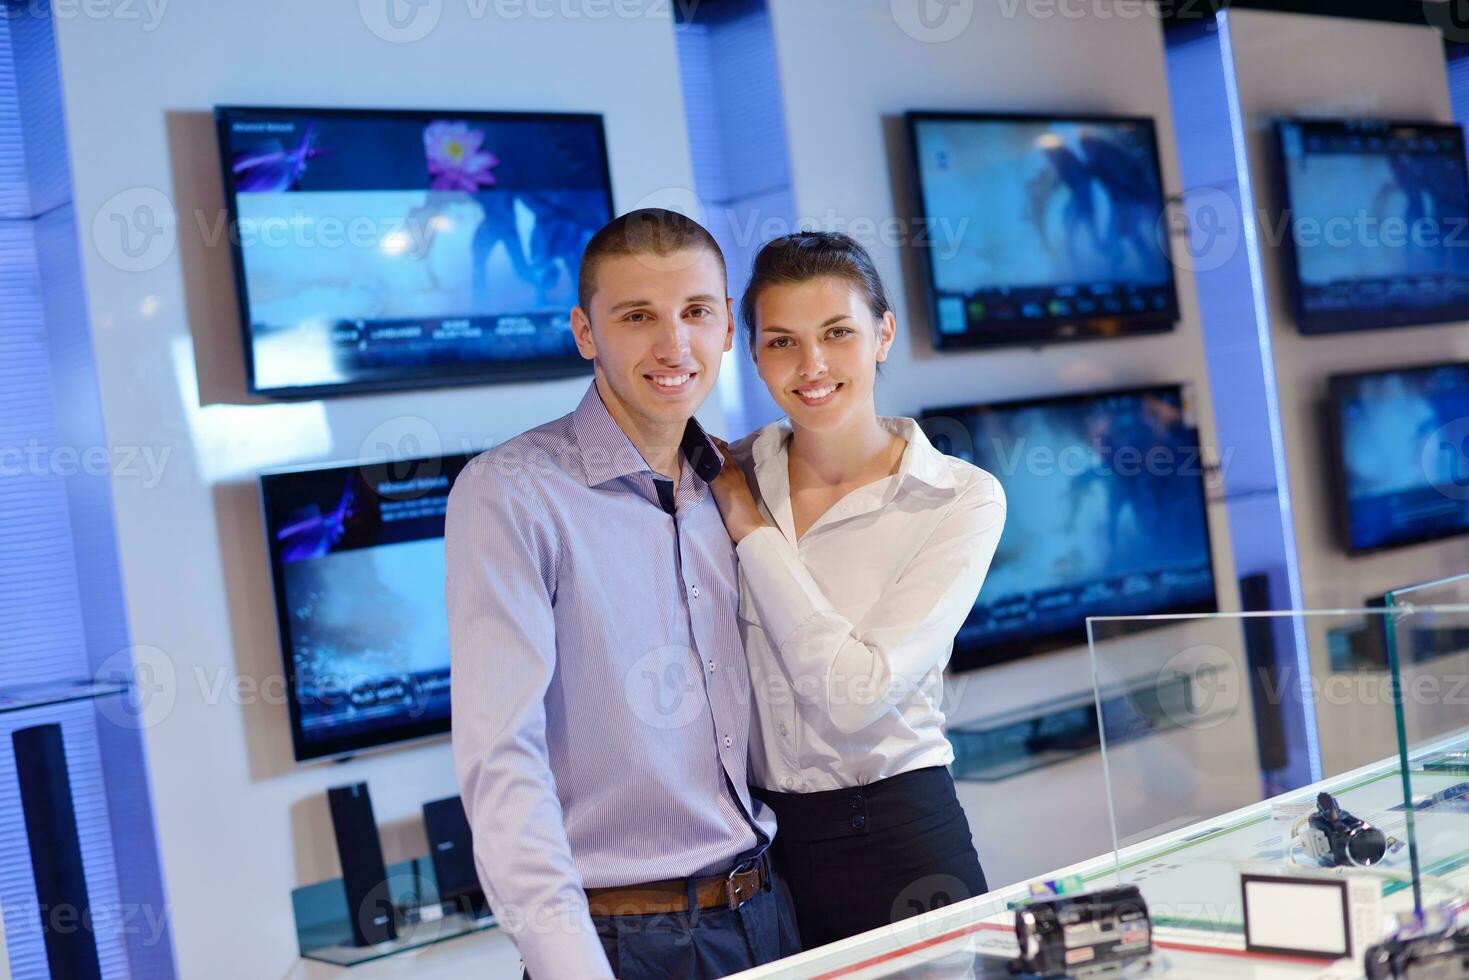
<point x="921" y="462"/>
<point x="607" y="453"/>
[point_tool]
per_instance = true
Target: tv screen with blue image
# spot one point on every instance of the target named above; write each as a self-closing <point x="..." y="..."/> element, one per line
<point x="1376" y="227"/>
<point x="1034" y="229"/>
<point x="1106" y="515"/>
<point x="392" y="249"/>
<point x="357" y="556"/>
<point x="1401" y="442"/>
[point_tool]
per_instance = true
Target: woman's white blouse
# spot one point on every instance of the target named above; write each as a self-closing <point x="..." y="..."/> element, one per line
<point x="848" y="630"/>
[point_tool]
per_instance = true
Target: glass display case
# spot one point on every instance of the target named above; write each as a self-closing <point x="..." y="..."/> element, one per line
<point x="1192" y="720"/>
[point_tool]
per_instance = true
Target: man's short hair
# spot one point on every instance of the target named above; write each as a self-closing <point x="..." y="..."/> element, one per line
<point x="644" y="231"/>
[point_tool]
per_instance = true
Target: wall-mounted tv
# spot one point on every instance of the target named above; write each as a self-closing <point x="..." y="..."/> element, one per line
<point x="357" y="559"/>
<point x="1400" y="443"/>
<point x="394" y="249"/>
<point x="1033" y="229"/>
<point x="1376" y="225"/>
<point x="1107" y="515"/>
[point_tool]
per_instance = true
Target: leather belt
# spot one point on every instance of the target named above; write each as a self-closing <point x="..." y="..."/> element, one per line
<point x="726" y="891"/>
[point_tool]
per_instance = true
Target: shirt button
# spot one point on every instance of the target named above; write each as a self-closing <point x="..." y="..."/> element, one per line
<point x="788" y="782"/>
<point x="728" y="741"/>
<point x="695" y="592"/>
<point x="712" y="666"/>
<point x="783" y="729"/>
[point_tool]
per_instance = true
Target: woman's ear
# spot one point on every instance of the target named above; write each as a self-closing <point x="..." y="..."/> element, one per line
<point x="887" y="327"/>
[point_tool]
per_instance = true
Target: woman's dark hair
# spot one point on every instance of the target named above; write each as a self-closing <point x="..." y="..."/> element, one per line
<point x="807" y="255"/>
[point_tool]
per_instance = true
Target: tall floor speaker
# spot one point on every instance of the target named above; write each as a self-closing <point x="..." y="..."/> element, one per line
<point x="369" y="902"/>
<point x="56" y="853"/>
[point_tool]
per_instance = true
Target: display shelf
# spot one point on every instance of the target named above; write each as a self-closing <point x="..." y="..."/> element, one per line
<point x="1055" y="731"/>
<point x="26" y="697"/>
<point x="323" y="926"/>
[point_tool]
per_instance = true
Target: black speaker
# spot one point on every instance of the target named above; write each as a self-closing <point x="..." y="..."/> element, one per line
<point x="56" y="853"/>
<point x="452" y="851"/>
<point x="369" y="903"/>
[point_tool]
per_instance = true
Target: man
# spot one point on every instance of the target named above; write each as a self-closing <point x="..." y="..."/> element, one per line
<point x="600" y="694"/>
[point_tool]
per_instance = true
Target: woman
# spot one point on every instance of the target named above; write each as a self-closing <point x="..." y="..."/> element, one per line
<point x="861" y="549"/>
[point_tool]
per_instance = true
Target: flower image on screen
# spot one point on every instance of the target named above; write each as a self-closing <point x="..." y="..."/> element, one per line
<point x="396" y="249"/>
<point x="1106" y="515"/>
<point x="1038" y="229"/>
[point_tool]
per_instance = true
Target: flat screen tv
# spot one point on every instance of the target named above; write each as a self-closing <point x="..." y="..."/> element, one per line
<point x="1376" y="224"/>
<point x="357" y="559"/>
<point x="1033" y="229"/>
<point x="395" y="249"/>
<point x="1401" y="447"/>
<point x="1106" y="515"/>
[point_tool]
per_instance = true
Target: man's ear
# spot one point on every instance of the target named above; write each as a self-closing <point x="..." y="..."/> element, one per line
<point x="729" y="333"/>
<point x="581" y="328"/>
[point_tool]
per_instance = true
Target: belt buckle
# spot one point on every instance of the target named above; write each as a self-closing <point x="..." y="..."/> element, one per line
<point x="731" y="891"/>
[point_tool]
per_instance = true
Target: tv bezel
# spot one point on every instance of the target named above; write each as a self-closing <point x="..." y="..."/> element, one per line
<point x="342" y="747"/>
<point x="440" y="376"/>
<point x="1033" y="645"/>
<point x="1310" y="324"/>
<point x="1336" y="450"/>
<point x="1047" y="330"/>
